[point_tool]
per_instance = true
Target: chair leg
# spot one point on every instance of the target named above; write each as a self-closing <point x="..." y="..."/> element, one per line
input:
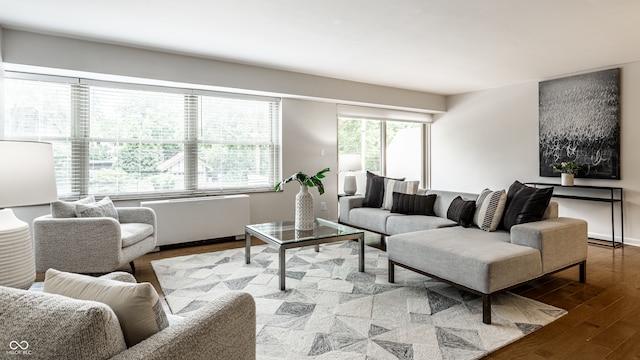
<point x="133" y="267"/>
<point x="391" y="272"/>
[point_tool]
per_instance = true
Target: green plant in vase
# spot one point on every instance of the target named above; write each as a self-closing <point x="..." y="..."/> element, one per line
<point x="567" y="169"/>
<point x="304" y="179"/>
<point x="304" y="217"/>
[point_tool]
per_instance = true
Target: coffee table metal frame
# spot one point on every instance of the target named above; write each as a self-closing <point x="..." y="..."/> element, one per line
<point x="273" y="234"/>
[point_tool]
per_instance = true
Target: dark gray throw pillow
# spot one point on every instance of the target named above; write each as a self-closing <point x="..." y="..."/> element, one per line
<point x="461" y="211"/>
<point x="412" y="204"/>
<point x="525" y="204"/>
<point x="374" y="194"/>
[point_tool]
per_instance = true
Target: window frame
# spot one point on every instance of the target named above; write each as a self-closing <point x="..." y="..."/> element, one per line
<point x="424" y="153"/>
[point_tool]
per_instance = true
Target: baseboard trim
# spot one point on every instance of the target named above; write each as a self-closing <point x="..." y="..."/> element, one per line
<point x="607" y="237"/>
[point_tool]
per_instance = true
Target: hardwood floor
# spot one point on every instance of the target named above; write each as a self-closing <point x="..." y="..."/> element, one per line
<point x="604" y="314"/>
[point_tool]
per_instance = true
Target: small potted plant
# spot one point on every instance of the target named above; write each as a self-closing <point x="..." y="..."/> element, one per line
<point x="567" y="170"/>
<point x="304" y="199"/>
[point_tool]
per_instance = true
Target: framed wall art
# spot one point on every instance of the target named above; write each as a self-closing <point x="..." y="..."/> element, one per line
<point x="579" y="119"/>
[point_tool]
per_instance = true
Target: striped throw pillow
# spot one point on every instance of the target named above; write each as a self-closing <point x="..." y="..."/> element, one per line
<point x="403" y="187"/>
<point x="489" y="209"/>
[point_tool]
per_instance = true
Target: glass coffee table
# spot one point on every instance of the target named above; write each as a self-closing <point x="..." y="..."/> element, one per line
<point x="283" y="236"/>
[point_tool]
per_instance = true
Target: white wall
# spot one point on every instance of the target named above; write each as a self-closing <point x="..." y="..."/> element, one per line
<point x="310" y="144"/>
<point x="489" y="139"/>
<point x="26" y="48"/>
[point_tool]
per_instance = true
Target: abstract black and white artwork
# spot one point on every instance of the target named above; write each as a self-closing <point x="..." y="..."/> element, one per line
<point x="579" y="121"/>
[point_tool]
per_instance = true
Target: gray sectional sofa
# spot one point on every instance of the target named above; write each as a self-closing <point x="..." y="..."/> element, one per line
<point x="481" y="262"/>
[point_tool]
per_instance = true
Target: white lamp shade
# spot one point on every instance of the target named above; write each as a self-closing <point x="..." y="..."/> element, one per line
<point x="27" y="175"/>
<point x="349" y="162"/>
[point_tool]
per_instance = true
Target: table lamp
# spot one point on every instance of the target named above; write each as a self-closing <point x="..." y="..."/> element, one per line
<point x="349" y="162"/>
<point x="27" y="177"/>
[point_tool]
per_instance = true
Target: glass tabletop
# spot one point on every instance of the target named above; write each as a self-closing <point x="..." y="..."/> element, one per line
<point x="285" y="232"/>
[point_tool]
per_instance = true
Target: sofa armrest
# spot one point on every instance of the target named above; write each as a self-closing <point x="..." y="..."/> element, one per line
<point x="551" y="212"/>
<point x="223" y="329"/>
<point x="346" y="204"/>
<point x="77" y="242"/>
<point x="561" y="241"/>
<point x="142" y="215"/>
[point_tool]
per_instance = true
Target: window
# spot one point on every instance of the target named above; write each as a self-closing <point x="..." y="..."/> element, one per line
<point x="135" y="141"/>
<point x="404" y="148"/>
<point x="385" y="147"/>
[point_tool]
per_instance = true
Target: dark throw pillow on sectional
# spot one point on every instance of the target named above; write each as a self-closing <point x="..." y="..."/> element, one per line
<point x="374" y="194"/>
<point x="411" y="204"/>
<point x="525" y="204"/>
<point x="461" y="211"/>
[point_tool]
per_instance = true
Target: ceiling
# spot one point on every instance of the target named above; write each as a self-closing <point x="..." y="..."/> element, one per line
<point x="437" y="46"/>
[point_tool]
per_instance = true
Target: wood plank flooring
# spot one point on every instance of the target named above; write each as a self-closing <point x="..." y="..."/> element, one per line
<point x="604" y="314"/>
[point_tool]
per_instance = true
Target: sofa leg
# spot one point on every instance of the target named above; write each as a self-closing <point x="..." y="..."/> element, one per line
<point x="391" y="272"/>
<point x="583" y="272"/>
<point x="486" y="309"/>
<point x="133" y="267"/>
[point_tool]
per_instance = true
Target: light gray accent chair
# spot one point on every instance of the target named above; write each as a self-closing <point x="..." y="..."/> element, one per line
<point x="59" y="327"/>
<point x="94" y="245"/>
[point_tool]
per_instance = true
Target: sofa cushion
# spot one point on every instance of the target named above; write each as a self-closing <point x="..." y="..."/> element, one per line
<point x="103" y="208"/>
<point x="371" y="219"/>
<point x="479" y="260"/>
<point x="67" y="209"/>
<point x="461" y="211"/>
<point x="133" y="233"/>
<point x="391" y="186"/>
<point x="525" y="204"/>
<point x="58" y="327"/>
<point x="409" y="223"/>
<point x="412" y="204"/>
<point x="489" y="209"/>
<point x="137" y="306"/>
<point x="374" y="194"/>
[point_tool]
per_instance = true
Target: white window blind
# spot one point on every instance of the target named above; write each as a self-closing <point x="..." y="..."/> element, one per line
<point x="238" y="139"/>
<point x="134" y="141"/>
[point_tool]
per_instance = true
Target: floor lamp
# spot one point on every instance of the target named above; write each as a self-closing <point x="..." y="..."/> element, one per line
<point x="346" y="163"/>
<point x="27" y="177"/>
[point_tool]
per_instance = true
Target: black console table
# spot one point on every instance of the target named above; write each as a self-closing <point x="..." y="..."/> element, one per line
<point x="608" y="194"/>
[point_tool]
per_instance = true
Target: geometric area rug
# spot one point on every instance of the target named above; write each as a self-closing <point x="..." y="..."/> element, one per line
<point x="329" y="310"/>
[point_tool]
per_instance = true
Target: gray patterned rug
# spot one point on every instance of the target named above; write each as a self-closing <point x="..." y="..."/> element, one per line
<point x="332" y="311"/>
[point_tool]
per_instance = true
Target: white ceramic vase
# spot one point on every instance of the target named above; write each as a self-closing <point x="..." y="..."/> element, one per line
<point x="566" y="179"/>
<point x="304" y="209"/>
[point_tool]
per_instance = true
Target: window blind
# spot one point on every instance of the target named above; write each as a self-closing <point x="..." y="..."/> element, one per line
<point x="135" y="141"/>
